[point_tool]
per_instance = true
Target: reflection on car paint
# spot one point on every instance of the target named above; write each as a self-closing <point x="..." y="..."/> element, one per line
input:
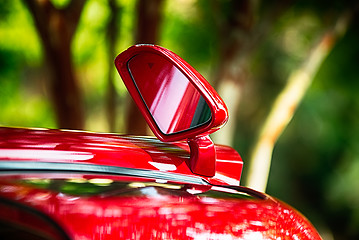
<point x="149" y="209"/>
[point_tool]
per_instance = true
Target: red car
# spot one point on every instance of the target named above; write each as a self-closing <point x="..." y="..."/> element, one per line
<point x="58" y="184"/>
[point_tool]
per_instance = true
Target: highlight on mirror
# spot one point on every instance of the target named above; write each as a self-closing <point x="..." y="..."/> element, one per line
<point x="173" y="101"/>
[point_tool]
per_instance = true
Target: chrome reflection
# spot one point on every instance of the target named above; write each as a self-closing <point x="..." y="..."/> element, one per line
<point x="110" y="187"/>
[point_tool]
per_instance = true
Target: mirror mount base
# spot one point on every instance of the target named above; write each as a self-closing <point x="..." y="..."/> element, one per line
<point x="202" y="159"/>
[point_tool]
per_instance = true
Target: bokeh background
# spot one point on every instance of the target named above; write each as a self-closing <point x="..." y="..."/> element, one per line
<point x="57" y="71"/>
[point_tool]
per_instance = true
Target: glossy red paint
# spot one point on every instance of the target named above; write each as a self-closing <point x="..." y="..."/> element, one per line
<point x="150" y="210"/>
<point x="202" y="153"/>
<point x="44" y="145"/>
<point x="30" y="223"/>
<point x="177" y="102"/>
<point x="215" y="103"/>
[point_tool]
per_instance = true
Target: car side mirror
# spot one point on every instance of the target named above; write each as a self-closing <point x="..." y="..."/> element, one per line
<point x="176" y="101"/>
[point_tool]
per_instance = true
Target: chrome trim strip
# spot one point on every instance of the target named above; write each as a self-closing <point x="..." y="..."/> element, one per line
<point x="31" y="166"/>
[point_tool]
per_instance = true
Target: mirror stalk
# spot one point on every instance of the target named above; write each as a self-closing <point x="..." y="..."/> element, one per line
<point x="202" y="159"/>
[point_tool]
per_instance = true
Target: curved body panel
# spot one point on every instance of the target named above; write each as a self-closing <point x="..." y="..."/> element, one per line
<point x="100" y="207"/>
<point x="80" y="185"/>
<point x="144" y="153"/>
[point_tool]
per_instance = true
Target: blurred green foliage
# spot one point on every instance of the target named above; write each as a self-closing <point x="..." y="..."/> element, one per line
<point x="22" y="98"/>
<point x="316" y="161"/>
<point x="318" y="153"/>
<point x="190" y="31"/>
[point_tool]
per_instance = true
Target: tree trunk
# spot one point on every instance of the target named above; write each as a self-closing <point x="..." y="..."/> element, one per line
<point x="56" y="28"/>
<point x="241" y="31"/>
<point x="235" y="30"/>
<point x="112" y="33"/>
<point x="149" y="17"/>
<point x="286" y="104"/>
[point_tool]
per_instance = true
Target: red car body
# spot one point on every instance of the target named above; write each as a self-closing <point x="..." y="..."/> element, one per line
<point x="57" y="184"/>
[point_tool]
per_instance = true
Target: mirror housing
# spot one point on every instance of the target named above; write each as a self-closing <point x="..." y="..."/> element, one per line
<point x="175" y="100"/>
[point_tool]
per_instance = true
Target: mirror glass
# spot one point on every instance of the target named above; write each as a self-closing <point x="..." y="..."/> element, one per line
<point x="173" y="101"/>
